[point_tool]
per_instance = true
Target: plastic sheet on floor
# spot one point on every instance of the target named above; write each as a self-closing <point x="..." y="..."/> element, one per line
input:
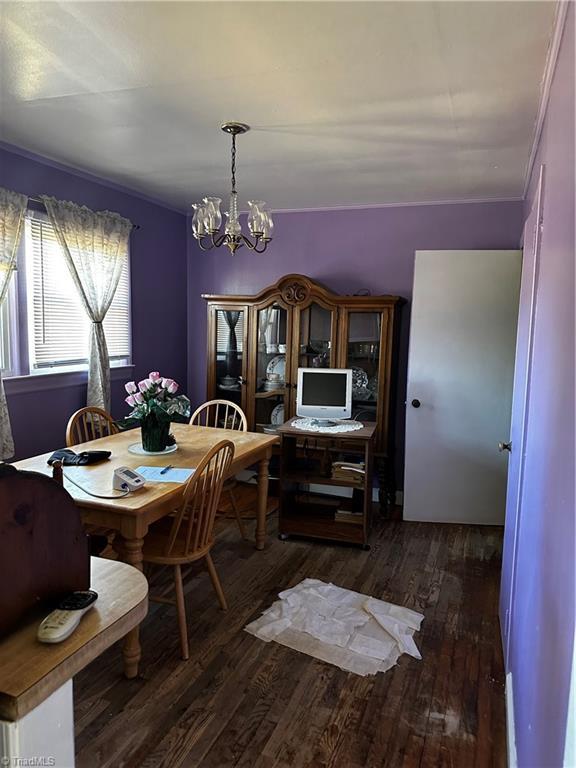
<point x="353" y="631"/>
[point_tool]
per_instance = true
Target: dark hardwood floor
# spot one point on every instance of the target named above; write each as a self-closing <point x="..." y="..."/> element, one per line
<point x="241" y="702"/>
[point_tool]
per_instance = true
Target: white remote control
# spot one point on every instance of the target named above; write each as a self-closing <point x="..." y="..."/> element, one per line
<point x="62" y="622"/>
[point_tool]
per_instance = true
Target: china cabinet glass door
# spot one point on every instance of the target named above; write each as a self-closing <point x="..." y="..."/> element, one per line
<point x="314" y="346"/>
<point x="317" y="327"/>
<point x="229" y="357"/>
<point x="270" y="380"/>
<point x="364" y="355"/>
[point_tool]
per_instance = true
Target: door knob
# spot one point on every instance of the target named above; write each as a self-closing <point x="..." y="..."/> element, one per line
<point x="416" y="403"/>
<point x="504" y="447"/>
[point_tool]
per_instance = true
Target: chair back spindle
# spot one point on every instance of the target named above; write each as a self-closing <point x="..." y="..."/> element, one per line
<point x="87" y="424"/>
<point x="194" y="522"/>
<point x="220" y="413"/>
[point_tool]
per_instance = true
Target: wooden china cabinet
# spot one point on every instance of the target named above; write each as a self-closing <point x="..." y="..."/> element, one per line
<point x="257" y="343"/>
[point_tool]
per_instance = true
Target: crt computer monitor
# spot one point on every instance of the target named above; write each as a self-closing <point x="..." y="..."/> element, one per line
<point x="324" y="394"/>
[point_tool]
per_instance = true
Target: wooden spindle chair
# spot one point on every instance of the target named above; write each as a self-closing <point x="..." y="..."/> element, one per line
<point x="220" y="413"/>
<point x="226" y="415"/>
<point x="92" y="423"/>
<point x="87" y="424"/>
<point x="188" y="535"/>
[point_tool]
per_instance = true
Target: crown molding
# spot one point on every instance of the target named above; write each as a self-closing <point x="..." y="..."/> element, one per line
<point x="86" y="175"/>
<point x="420" y="203"/>
<point x="546" y="85"/>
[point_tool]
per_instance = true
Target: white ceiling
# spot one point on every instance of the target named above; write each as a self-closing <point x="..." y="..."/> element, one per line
<point x="351" y="103"/>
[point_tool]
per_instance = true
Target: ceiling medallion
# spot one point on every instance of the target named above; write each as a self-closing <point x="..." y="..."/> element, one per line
<point x="207" y="216"/>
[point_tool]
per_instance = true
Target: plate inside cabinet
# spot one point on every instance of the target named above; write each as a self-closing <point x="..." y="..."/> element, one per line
<point x="359" y="379"/>
<point x="277" y="365"/>
<point x="277" y="415"/>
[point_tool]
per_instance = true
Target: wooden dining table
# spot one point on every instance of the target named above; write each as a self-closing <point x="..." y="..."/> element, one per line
<point x="132" y="515"/>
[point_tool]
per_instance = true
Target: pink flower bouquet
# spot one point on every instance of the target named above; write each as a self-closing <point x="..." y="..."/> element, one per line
<point x="155" y="404"/>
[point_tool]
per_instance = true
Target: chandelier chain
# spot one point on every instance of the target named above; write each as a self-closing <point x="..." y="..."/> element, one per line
<point x="233" y="162"/>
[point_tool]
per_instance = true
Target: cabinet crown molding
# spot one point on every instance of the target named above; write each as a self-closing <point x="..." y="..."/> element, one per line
<point x="296" y="290"/>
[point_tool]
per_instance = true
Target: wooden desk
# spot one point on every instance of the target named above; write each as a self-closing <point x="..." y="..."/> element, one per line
<point x="132" y="515"/>
<point x="35" y="679"/>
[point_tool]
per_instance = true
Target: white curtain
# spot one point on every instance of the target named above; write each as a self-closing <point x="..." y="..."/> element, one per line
<point x="266" y="317"/>
<point x="95" y="246"/>
<point x="12" y="208"/>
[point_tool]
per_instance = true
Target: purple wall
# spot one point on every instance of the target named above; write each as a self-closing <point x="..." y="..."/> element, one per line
<point x="158" y="276"/>
<point x="542" y="619"/>
<point x="346" y="250"/>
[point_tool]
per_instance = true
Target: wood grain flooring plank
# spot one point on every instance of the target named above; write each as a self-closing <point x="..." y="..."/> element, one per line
<point x="428" y="548"/>
<point x="265" y="700"/>
<point x="241" y="702"/>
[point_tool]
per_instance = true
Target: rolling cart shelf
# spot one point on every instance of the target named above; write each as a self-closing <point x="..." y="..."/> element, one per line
<point x="305" y="466"/>
<point x="316" y="479"/>
<point x="327" y="530"/>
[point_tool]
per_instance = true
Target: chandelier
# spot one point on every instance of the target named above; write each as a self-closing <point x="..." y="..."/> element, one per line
<point x="207" y="217"/>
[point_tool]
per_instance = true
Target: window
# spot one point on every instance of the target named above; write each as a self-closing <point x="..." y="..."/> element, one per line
<point x="52" y="327"/>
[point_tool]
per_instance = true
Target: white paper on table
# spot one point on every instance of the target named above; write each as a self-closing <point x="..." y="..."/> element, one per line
<point x="173" y="475"/>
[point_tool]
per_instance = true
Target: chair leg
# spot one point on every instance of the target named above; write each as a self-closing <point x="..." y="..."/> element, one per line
<point x="181" y="611"/>
<point x="238" y="515"/>
<point x="216" y="582"/>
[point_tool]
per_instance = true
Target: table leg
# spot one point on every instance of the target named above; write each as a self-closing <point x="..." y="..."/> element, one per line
<point x="262" y="502"/>
<point x="131" y="651"/>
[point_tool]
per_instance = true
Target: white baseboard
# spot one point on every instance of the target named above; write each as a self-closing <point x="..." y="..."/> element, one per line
<point x="510" y="726"/>
<point x="570" y="739"/>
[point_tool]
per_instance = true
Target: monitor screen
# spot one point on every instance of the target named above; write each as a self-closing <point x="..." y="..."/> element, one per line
<point x="324" y="389"/>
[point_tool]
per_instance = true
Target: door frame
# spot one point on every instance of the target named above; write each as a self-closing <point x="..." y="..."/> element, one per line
<point x="514" y="515"/>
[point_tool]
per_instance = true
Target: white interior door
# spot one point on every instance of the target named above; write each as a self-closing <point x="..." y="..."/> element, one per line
<point x="460" y="375"/>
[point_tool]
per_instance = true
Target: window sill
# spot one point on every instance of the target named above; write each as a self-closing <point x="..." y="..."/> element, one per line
<point x="36" y="382"/>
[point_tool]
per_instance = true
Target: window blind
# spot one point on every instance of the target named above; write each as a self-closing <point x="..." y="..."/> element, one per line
<point x="223" y="332"/>
<point x="58" y="324"/>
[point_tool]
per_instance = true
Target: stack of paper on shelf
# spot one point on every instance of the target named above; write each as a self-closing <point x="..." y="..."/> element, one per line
<point x="351" y="472"/>
<point x="349" y="516"/>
